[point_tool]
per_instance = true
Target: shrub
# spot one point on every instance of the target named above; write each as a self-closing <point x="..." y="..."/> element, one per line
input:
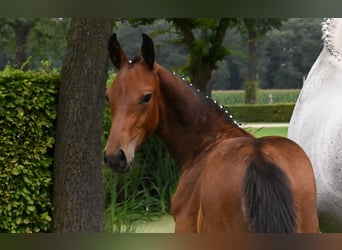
<point x="262" y="112"/>
<point x="27" y="122"/>
<point x="144" y="192"/>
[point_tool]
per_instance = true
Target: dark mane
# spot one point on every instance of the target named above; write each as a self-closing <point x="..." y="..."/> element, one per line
<point x="219" y="109"/>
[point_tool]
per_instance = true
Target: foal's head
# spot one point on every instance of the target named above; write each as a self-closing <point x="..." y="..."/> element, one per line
<point x="133" y="99"/>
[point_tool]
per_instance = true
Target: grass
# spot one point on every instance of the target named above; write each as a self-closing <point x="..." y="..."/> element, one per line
<point x="142" y="194"/>
<point x="163" y="224"/>
<point x="124" y="208"/>
<point x="266" y="131"/>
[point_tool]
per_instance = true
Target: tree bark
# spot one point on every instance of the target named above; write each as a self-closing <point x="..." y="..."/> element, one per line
<point x="200" y="74"/>
<point x="253" y="61"/>
<point x="21" y="29"/>
<point x="251" y="86"/>
<point x="78" y="193"/>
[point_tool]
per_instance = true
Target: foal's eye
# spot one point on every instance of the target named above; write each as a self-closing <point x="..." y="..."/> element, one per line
<point x="146" y="98"/>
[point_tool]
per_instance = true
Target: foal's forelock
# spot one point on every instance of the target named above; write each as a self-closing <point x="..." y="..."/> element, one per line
<point x="135" y="60"/>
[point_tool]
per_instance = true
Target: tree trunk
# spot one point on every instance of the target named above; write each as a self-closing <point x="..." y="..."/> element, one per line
<point x="252" y="84"/>
<point x="200" y="74"/>
<point x="202" y="63"/>
<point x="21" y="29"/>
<point x="78" y="193"/>
<point x="252" y="57"/>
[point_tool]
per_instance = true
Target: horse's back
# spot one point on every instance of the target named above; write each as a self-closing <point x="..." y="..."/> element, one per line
<point x="220" y="187"/>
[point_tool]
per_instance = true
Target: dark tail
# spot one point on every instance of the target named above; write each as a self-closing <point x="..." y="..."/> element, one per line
<point x="268" y="199"/>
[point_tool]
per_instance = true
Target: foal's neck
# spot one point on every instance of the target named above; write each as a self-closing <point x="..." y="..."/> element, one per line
<point x="189" y="123"/>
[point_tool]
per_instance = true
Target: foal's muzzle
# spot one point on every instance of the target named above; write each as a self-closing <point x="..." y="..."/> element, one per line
<point x="117" y="162"/>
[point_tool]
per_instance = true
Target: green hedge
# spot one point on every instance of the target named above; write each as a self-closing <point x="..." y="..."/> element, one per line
<point x="27" y="129"/>
<point x="262" y="112"/>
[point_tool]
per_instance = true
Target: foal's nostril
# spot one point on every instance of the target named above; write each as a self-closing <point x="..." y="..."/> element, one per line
<point x="118" y="161"/>
<point x="121" y="156"/>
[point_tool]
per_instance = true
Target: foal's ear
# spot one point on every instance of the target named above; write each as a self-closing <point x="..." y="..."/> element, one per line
<point x="147" y="50"/>
<point x="116" y="54"/>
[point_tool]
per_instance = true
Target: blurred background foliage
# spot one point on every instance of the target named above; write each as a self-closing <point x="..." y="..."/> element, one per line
<point x="285" y="51"/>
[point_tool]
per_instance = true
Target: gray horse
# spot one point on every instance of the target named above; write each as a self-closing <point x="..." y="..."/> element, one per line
<point x="316" y="125"/>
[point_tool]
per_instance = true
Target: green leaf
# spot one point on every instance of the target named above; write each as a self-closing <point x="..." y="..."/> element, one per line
<point x="19" y="220"/>
<point x="31" y="208"/>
